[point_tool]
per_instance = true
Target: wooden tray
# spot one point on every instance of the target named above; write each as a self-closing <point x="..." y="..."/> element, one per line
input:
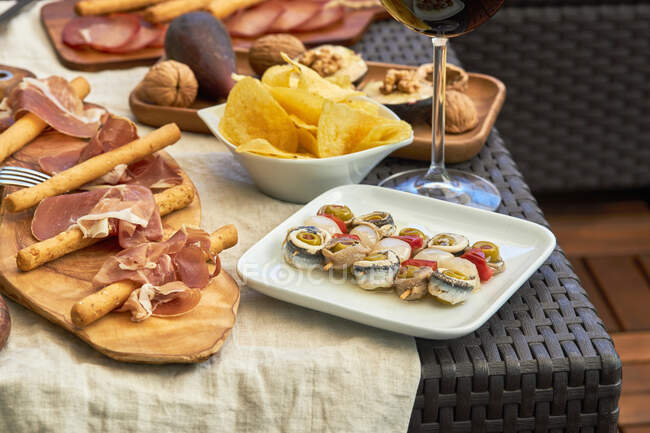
<point x="487" y="92"/>
<point x="5" y="323"/>
<point x="51" y="290"/>
<point x="54" y="16"/>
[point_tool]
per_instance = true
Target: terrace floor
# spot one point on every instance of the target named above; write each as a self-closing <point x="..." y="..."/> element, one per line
<point x="607" y="239"/>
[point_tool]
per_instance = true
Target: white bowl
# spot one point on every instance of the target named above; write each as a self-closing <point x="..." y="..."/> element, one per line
<point x="300" y="180"/>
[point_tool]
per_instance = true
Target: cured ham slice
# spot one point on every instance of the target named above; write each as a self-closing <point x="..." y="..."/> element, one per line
<point x="255" y="21"/>
<point x="171" y="274"/>
<point x="159" y="42"/>
<point x="327" y="16"/>
<point x="101" y="33"/>
<point x="55" y="102"/>
<point x="295" y="14"/>
<point x="129" y="211"/>
<point x="114" y="132"/>
<point x="147" y="34"/>
<point x="154" y="172"/>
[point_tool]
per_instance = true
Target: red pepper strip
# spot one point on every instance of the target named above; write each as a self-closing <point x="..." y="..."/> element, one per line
<point x="477" y="256"/>
<point x="413" y="241"/>
<point x="421" y="263"/>
<point x="347" y="236"/>
<point x="339" y="222"/>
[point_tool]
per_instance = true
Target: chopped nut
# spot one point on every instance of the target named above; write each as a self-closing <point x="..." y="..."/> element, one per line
<point x="323" y="61"/>
<point x="401" y="80"/>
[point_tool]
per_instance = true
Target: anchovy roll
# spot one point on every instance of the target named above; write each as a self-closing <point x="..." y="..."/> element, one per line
<point x="454" y="280"/>
<point x="382" y="220"/>
<point x="342" y="251"/>
<point x="339" y="211"/>
<point x="412" y="231"/>
<point x="433" y="254"/>
<point x="303" y="247"/>
<point x="368" y="234"/>
<point x="323" y="223"/>
<point x="450" y="242"/>
<point x="376" y="271"/>
<point x="412" y="281"/>
<point x="492" y="255"/>
<point x="398" y="246"/>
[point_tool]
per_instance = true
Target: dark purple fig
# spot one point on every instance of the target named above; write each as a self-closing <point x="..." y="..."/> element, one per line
<point x="202" y="42"/>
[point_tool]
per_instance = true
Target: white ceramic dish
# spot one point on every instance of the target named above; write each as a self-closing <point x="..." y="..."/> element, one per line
<point x="524" y="246"/>
<point x="300" y="180"/>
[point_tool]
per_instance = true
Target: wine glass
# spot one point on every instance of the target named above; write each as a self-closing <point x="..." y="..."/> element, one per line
<point x="440" y="20"/>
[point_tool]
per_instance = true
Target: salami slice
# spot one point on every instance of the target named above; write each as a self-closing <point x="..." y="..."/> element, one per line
<point x="146" y="35"/>
<point x="295" y="14"/>
<point x="255" y="21"/>
<point x="159" y="42"/>
<point x="327" y="16"/>
<point x="101" y="33"/>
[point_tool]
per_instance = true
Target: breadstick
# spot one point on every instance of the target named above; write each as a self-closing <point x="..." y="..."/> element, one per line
<point x="100" y="7"/>
<point x="169" y="10"/>
<point x="93" y="168"/>
<point x="95" y="306"/>
<point x="30" y="125"/>
<point x="42" y="252"/>
<point x="223" y="8"/>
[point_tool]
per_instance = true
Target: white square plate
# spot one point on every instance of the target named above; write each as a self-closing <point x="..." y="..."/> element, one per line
<point x="524" y="247"/>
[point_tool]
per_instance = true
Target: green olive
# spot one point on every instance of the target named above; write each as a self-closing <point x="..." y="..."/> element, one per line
<point x="410" y="231"/>
<point x="374" y="218"/>
<point x="310" y="238"/>
<point x="490" y="250"/>
<point x="376" y="257"/>
<point x="340" y="211"/>
<point x="444" y="240"/>
<point x="407" y="271"/>
<point x="455" y="274"/>
<point x="341" y="246"/>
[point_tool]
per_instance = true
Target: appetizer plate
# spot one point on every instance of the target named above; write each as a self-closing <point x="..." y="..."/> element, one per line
<point x="524" y="247"/>
<point x="300" y="180"/>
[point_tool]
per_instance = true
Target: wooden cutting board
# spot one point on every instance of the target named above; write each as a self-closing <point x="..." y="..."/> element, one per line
<point x="487" y="93"/>
<point x="51" y="290"/>
<point x="5" y="323"/>
<point x="54" y="17"/>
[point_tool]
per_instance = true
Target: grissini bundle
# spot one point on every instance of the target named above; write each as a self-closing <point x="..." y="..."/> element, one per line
<point x="223" y="8"/>
<point x="38" y="254"/>
<point x="30" y="125"/>
<point x="100" y="7"/>
<point x="93" y="168"/>
<point x="169" y="10"/>
<point x="97" y="305"/>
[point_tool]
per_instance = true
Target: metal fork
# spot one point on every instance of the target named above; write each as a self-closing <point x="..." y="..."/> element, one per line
<point x="20" y="176"/>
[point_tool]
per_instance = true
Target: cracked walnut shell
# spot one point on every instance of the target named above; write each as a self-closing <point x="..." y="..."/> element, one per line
<point x="169" y="83"/>
<point x="460" y="112"/>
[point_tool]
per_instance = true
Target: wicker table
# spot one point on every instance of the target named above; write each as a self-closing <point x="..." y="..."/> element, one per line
<point x="544" y="362"/>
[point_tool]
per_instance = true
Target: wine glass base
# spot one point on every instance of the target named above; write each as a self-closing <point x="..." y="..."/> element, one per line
<point x="464" y="188"/>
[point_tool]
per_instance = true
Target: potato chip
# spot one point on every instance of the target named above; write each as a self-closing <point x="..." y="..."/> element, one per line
<point x="251" y="112"/>
<point x="365" y="106"/>
<point x="301" y="124"/>
<point x="312" y="82"/>
<point x="341" y="81"/>
<point x="260" y="146"/>
<point x="281" y="76"/>
<point x="391" y="131"/>
<point x="307" y="141"/>
<point x="300" y="103"/>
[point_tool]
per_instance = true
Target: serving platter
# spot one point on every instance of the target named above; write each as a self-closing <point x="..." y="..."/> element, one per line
<point x="524" y="247"/>
<point x="487" y="93"/>
<point x="52" y="290"/>
<point x="54" y="17"/>
<point x="5" y="323"/>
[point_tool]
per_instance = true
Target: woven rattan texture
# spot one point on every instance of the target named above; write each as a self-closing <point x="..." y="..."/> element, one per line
<point x="576" y="116"/>
<point x="544" y="362"/>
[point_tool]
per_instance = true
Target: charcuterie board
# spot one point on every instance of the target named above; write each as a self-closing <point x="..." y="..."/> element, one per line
<point x="52" y="289"/>
<point x="487" y="93"/>
<point x="54" y="17"/>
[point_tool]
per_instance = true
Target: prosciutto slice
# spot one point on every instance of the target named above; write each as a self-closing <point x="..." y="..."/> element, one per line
<point x="170" y="274"/>
<point x="327" y="16"/>
<point x="55" y="102"/>
<point x="255" y="21"/>
<point x="101" y="33"/>
<point x="295" y="13"/>
<point x="128" y="211"/>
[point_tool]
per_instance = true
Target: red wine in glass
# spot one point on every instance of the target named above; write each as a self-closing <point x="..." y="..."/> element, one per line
<point x="442" y="19"/>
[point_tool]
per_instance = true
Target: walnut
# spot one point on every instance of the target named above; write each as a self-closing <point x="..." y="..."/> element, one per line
<point x="322" y="60"/>
<point x="455" y="77"/>
<point x="404" y="81"/>
<point x="169" y="83"/>
<point x="266" y="51"/>
<point x="460" y="112"/>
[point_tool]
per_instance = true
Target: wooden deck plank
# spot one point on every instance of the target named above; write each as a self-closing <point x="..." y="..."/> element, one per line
<point x="636" y="429"/>
<point x="625" y="288"/>
<point x="632" y="347"/>
<point x="596" y="297"/>
<point x="634" y="409"/>
<point x="636" y="378"/>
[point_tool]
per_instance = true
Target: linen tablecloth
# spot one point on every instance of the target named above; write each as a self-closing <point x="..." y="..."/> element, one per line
<point x="283" y="368"/>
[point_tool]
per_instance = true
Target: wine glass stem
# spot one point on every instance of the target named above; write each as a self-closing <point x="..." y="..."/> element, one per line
<point x="437" y="171"/>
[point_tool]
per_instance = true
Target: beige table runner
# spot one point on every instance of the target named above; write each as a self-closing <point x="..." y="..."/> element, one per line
<point x="283" y="369"/>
